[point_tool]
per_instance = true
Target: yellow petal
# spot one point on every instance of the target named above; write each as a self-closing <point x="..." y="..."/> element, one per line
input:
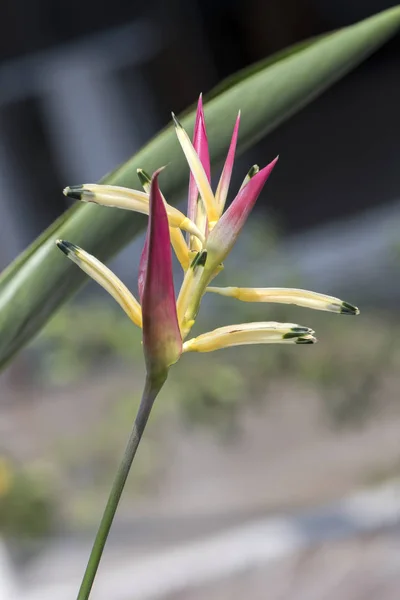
<point x="188" y="292"/>
<point x="250" y="333"/>
<point x="201" y="221"/>
<point x="127" y="199"/>
<point x="180" y="247"/>
<point x="288" y="296"/>
<point x="104" y="277"/>
<point x="197" y="170"/>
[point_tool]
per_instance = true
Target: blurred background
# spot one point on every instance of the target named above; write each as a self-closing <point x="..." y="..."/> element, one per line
<point x="265" y="471"/>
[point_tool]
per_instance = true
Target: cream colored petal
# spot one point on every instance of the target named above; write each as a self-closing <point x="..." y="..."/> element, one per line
<point x="197" y="170"/>
<point x="250" y="333"/>
<point x="110" y="195"/>
<point x="127" y="199"/>
<point x="288" y="296"/>
<point x="104" y="277"/>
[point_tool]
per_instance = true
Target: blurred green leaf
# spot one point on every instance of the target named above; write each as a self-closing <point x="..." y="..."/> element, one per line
<point x="27" y="503"/>
<point x="40" y="279"/>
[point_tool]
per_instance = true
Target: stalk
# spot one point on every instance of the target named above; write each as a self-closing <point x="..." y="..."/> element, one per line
<point x="150" y="393"/>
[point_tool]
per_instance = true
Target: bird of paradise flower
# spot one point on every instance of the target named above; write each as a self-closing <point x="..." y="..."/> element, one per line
<point x="166" y="321"/>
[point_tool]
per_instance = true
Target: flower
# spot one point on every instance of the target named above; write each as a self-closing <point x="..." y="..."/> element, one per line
<point x="211" y="234"/>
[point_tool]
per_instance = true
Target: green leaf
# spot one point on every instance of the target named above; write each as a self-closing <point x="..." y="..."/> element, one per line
<point x="268" y="93"/>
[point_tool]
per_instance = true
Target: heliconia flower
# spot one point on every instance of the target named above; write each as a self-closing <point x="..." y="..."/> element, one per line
<point x="167" y="321"/>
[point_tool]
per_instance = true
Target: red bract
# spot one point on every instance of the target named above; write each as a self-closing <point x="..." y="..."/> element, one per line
<point x="200" y="144"/>
<point x="223" y="237"/>
<point x="223" y="185"/>
<point x="143" y="266"/>
<point x="162" y="340"/>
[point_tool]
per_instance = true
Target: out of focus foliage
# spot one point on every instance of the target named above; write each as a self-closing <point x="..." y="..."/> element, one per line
<point x="27" y="508"/>
<point x="84" y="337"/>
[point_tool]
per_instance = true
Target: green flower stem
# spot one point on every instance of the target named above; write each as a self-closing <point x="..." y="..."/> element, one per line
<point x="149" y="395"/>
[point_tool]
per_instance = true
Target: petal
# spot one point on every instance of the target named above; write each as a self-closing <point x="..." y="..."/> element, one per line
<point x="180" y="247"/>
<point x="127" y="199"/>
<point x="223" y="185"/>
<point x="188" y="292"/>
<point x="223" y="237"/>
<point x="110" y="195"/>
<point x="250" y="333"/>
<point x="197" y="170"/>
<point x="200" y="145"/>
<point x="104" y="277"/>
<point x="201" y="221"/>
<point x="162" y="340"/>
<point x="196" y="209"/>
<point x="288" y="296"/>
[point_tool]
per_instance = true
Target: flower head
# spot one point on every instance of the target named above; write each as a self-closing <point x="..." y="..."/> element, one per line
<point x="211" y="235"/>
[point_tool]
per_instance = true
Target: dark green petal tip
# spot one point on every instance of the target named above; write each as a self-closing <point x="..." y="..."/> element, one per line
<point x="144" y="178"/>
<point x="291" y="335"/>
<point x="66" y="247"/>
<point x="202" y="258"/>
<point x="177" y="123"/>
<point x="253" y="171"/>
<point x="299" y="329"/>
<point x="297" y="332"/>
<point x="74" y="191"/>
<point x="199" y="260"/>
<point x="348" y="309"/>
<point x="306" y="340"/>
